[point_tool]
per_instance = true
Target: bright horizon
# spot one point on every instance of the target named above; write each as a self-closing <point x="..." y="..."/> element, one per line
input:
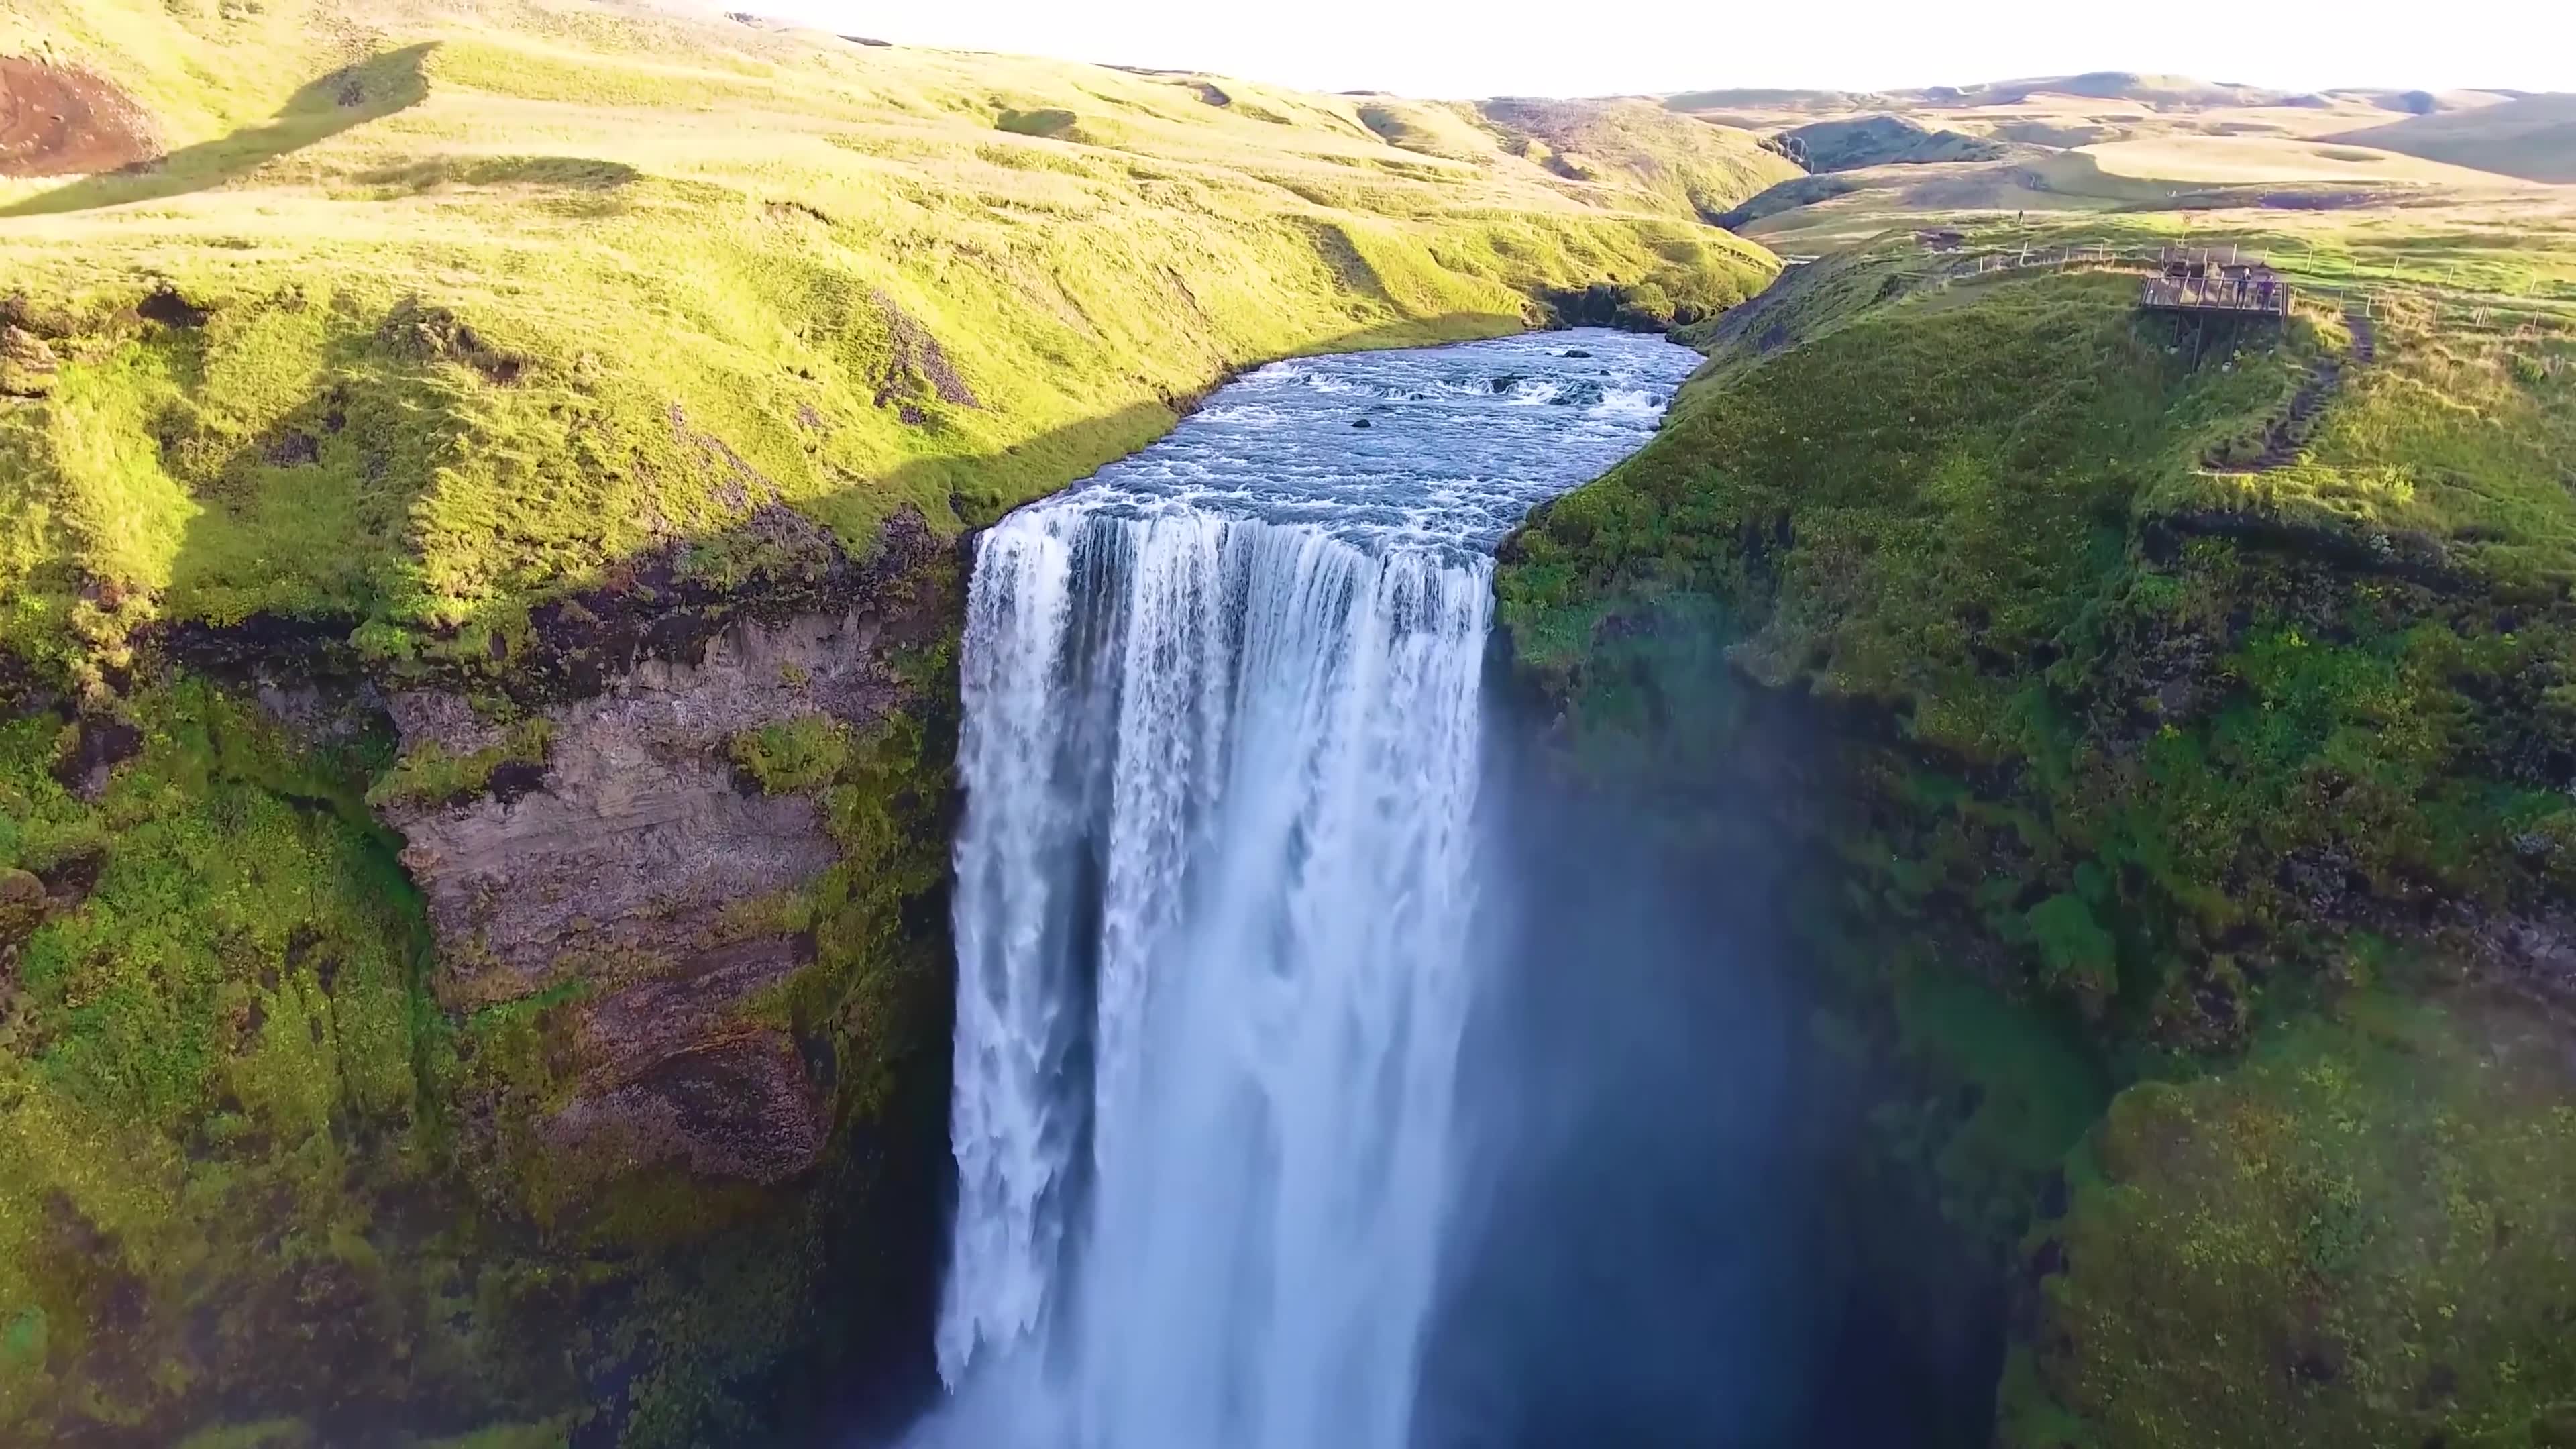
<point x="1511" y="47"/>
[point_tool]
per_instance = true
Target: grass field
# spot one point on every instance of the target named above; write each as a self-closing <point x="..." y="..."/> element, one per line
<point x="2256" y="160"/>
<point x="2114" y="142"/>
<point x="2533" y="137"/>
<point x="468" y="301"/>
<point x="2228" y="185"/>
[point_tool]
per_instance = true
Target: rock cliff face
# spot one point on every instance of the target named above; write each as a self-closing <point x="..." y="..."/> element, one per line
<point x="619" y="849"/>
<point x="622" y="866"/>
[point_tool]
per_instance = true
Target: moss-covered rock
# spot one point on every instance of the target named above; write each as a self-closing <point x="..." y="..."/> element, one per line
<point x="786" y="757"/>
<point x="432" y="775"/>
<point x="264" y="1174"/>
<point x="2359" y="1236"/>
<point x="22" y="909"/>
<point x="218" y="1126"/>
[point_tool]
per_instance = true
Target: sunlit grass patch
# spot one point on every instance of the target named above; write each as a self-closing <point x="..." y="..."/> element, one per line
<point x="680" y="273"/>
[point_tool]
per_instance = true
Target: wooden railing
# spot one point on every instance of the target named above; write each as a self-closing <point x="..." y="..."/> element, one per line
<point x="2264" y="296"/>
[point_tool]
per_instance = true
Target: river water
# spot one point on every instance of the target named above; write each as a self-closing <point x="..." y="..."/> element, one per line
<point x="1217" y="887"/>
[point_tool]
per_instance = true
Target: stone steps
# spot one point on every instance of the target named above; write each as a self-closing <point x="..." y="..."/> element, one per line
<point x="2286" y="436"/>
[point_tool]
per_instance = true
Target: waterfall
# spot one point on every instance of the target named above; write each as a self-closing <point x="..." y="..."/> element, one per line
<point x="1222" y="773"/>
<point x="1221" y="754"/>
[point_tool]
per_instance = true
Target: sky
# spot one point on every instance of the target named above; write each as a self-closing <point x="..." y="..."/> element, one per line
<point x="1606" y="47"/>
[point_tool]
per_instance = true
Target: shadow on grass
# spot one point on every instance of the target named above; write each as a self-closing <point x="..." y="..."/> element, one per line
<point x="335" y="480"/>
<point x="344" y="99"/>
<point x="565" y="173"/>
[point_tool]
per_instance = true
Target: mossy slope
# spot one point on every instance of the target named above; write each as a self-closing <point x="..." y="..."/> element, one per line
<point x="2153" y="762"/>
<point x="220" y="1095"/>
<point x="2357" y="1237"/>
<point x="254" y="1174"/>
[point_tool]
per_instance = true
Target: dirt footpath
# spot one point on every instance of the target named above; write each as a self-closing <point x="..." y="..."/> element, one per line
<point x="66" y="123"/>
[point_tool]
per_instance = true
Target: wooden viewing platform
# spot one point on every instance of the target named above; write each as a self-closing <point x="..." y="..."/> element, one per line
<point x="2202" y="284"/>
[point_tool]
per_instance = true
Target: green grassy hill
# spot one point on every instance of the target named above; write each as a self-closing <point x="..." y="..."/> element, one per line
<point x="1697" y="169"/>
<point x="461" y="303"/>
<point x="1884" y="141"/>
<point x="2195" y="716"/>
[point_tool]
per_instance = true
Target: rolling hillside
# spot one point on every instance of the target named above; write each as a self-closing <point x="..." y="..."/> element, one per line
<point x="1635" y="145"/>
<point x="2113" y="140"/>
<point x="2533" y="137"/>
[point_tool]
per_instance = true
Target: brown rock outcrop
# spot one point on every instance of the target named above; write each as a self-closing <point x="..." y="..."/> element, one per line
<point x="741" y="1108"/>
<point x="56" y="122"/>
<point x="636" y="863"/>
<point x="622" y="860"/>
<point x="27" y="363"/>
<point x="22" y="910"/>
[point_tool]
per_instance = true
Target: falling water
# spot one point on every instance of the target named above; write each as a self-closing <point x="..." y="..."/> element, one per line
<point x="1215" y="890"/>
